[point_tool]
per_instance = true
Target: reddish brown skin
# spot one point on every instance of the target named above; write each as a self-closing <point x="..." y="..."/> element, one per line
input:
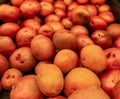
<point x="16" y="2"/>
<point x="60" y="4"/>
<point x="97" y="2"/>
<point x="109" y="79"/>
<point x="0" y="87"/>
<point x="7" y="46"/>
<point x="57" y="97"/>
<point x="4" y="64"/>
<point x="29" y="8"/>
<point x="82" y="1"/>
<point x="102" y="38"/>
<point x="24" y="37"/>
<point x="9" y="29"/>
<point x="116" y="43"/>
<point x="60" y="12"/>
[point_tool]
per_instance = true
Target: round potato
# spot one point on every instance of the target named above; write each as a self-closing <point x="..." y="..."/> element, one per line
<point x="9" y="78"/>
<point x="42" y="47"/>
<point x="22" y="59"/>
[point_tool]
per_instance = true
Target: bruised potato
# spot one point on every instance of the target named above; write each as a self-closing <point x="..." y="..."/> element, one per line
<point x="22" y="59"/>
<point x="10" y="77"/>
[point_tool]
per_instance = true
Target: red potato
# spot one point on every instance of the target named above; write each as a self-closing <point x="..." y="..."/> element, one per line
<point x="79" y="29"/>
<point x="42" y="47"/>
<point x="4" y="64"/>
<point x="60" y="4"/>
<point x="29" y="8"/>
<point x="109" y="79"/>
<point x="38" y="19"/>
<point x="92" y="9"/>
<point x="57" y="97"/>
<point x="114" y="30"/>
<point x="102" y="38"/>
<point x="51" y="1"/>
<point x="16" y="2"/>
<point x="52" y="17"/>
<point x="107" y="16"/>
<point x="9" y="78"/>
<point x="66" y="60"/>
<point x="26" y="88"/>
<point x="46" y="8"/>
<point x="9" y="29"/>
<point x="80" y="15"/>
<point x="67" y="2"/>
<point x="50" y="80"/>
<point x="113" y="57"/>
<point x="72" y="5"/>
<point x="22" y="59"/>
<point x="67" y="23"/>
<point x="41" y="63"/>
<point x="7" y="46"/>
<point x="31" y="23"/>
<point x="46" y="30"/>
<point x="104" y="8"/>
<point x="97" y="23"/>
<point x="9" y="15"/>
<point x="84" y="40"/>
<point x="24" y="37"/>
<point x="97" y="2"/>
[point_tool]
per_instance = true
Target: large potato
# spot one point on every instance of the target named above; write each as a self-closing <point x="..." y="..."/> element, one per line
<point x="22" y="59"/>
<point x="9" y="13"/>
<point x="4" y="64"/>
<point x="93" y="58"/>
<point x="10" y="77"/>
<point x="50" y="80"/>
<point x="78" y="78"/>
<point x="26" y="88"/>
<point x="42" y="47"/>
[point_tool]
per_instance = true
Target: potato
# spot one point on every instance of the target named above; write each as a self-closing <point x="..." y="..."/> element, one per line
<point x="7" y="46"/>
<point x="9" y="78"/>
<point x="42" y="47"/>
<point x="93" y="92"/>
<point x="9" y="13"/>
<point x="50" y="80"/>
<point x="29" y="8"/>
<point x="16" y="2"/>
<point x="78" y="78"/>
<point x="22" y="59"/>
<point x="9" y="29"/>
<point x="24" y="37"/>
<point x="57" y="97"/>
<point x="93" y="58"/>
<point x="66" y="60"/>
<point x="26" y="88"/>
<point x="113" y="57"/>
<point x="4" y="64"/>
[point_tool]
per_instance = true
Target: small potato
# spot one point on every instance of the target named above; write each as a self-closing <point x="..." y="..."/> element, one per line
<point x="66" y="60"/>
<point x="22" y="59"/>
<point x="24" y="36"/>
<point x="26" y="88"/>
<point x="4" y="64"/>
<point x="9" y="29"/>
<point x="42" y="47"/>
<point x="50" y="80"/>
<point x="10" y="77"/>
<point x="93" y="57"/>
<point x="31" y="23"/>
<point x="57" y="97"/>
<point x="7" y="46"/>
<point x="9" y="13"/>
<point x="29" y="8"/>
<point x="16" y="2"/>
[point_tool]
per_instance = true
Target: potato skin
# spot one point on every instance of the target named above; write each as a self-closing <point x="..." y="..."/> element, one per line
<point x="22" y="59"/>
<point x="4" y="64"/>
<point x="50" y="80"/>
<point x="9" y="78"/>
<point x="42" y="47"/>
<point x="9" y="29"/>
<point x="9" y="15"/>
